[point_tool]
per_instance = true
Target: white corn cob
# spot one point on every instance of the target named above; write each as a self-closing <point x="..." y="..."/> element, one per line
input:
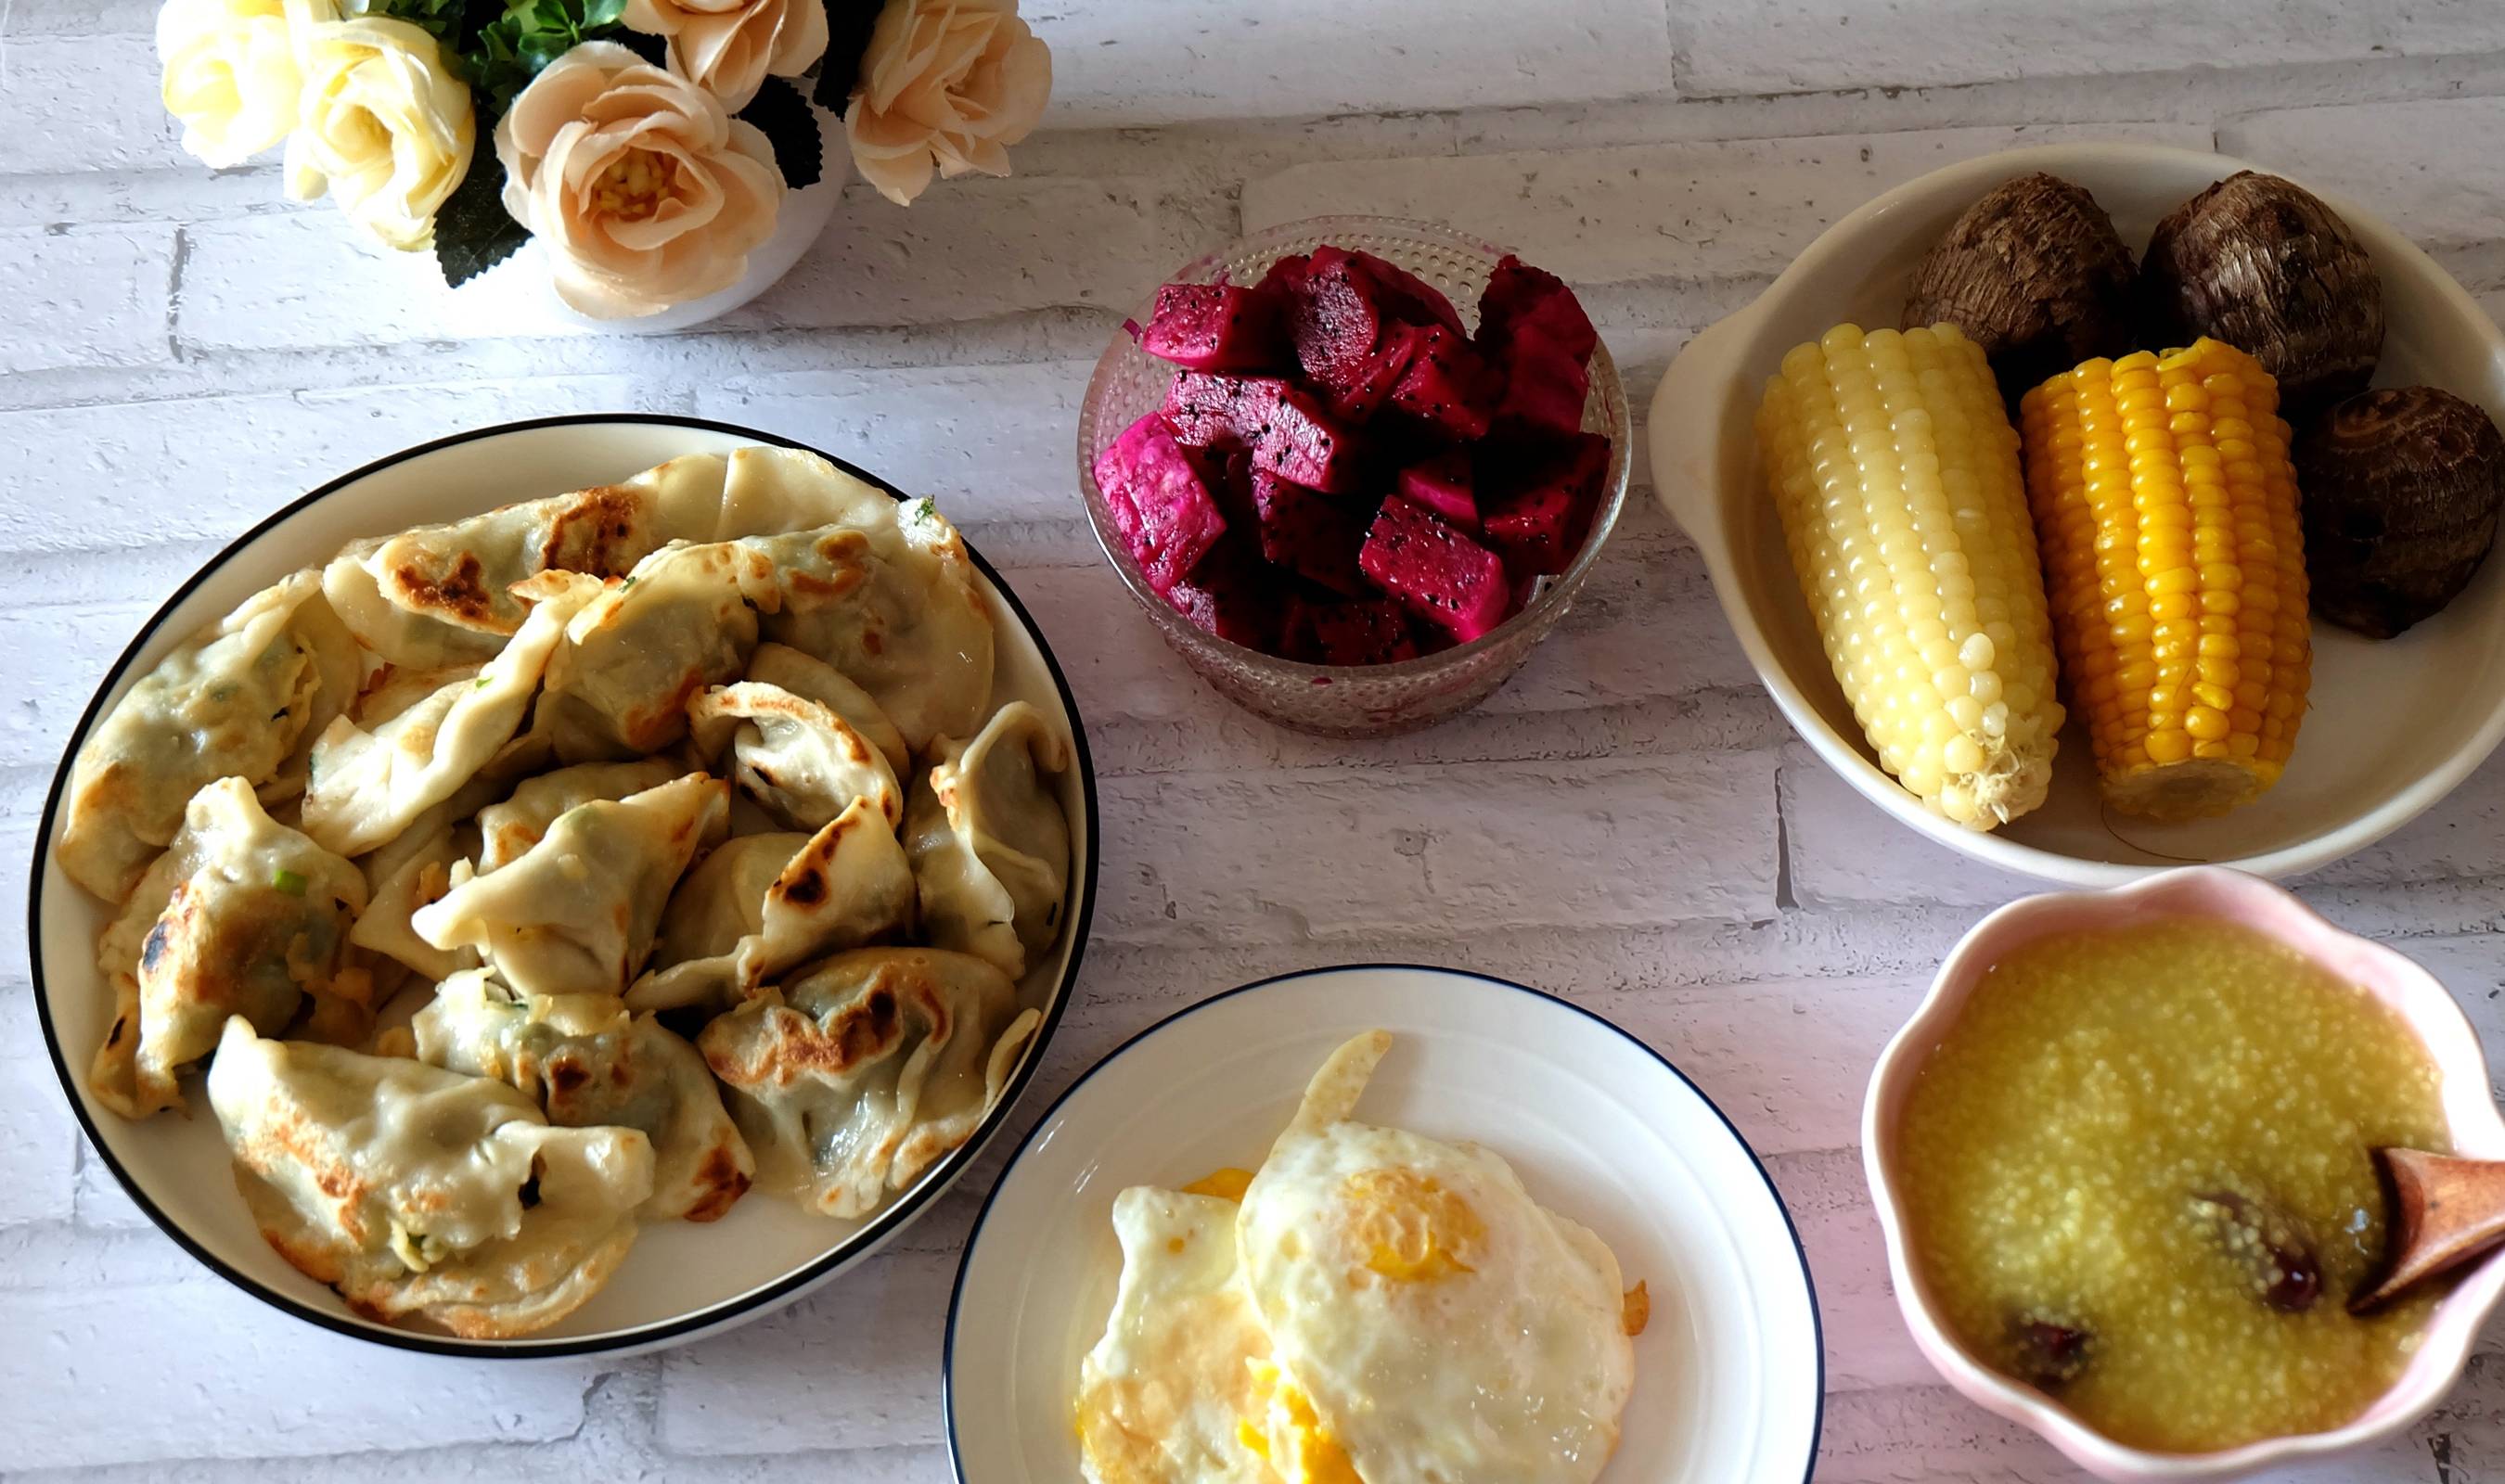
<point x="1896" y="471"/>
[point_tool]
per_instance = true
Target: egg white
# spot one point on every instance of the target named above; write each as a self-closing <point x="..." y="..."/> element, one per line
<point x="1163" y="1393"/>
<point x="1446" y="1329"/>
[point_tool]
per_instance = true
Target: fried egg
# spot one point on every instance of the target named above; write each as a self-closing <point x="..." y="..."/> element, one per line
<point x="1165" y="1396"/>
<point x="1426" y="1321"/>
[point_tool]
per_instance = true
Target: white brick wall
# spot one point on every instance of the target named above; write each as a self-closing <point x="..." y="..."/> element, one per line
<point x="1628" y="823"/>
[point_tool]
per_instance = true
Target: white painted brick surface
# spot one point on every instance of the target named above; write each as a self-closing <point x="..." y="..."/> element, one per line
<point x="866" y="1350"/>
<point x="84" y="104"/>
<point x="97" y="1368"/>
<point x="1628" y="823"/>
<point x="1216" y="59"/>
<point x="1799" y="46"/>
<point x="85" y="296"/>
<point x="1645" y="212"/>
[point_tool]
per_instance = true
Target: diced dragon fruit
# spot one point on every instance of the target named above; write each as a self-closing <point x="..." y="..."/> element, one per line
<point x="1226" y="467"/>
<point x="1540" y="524"/>
<point x="1334" y="316"/>
<point x="1228" y="596"/>
<point x="1160" y="501"/>
<point x="1289" y="432"/>
<point x="1440" y="573"/>
<point x="1447" y="386"/>
<point x="1308" y="535"/>
<point x="1216" y="328"/>
<point x="1519" y="297"/>
<point x="1541" y="341"/>
<point x="1303" y="444"/>
<point x="1405" y="296"/>
<point x="1443" y="485"/>
<point x="1372" y="381"/>
<point x="1206" y="407"/>
<point x="1373" y="630"/>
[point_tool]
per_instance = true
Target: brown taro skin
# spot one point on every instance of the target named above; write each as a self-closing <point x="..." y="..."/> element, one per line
<point x="2263" y="264"/>
<point x="2402" y="488"/>
<point x="2035" y="273"/>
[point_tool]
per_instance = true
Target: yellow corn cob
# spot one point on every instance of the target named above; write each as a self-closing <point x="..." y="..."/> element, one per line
<point x="1896" y="471"/>
<point x="2168" y="509"/>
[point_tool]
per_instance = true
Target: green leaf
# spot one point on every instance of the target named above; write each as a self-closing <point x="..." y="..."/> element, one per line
<point x="472" y="230"/>
<point x="511" y="49"/>
<point x="849" y="23"/>
<point x="287" y="883"/>
<point x="445" y="20"/>
<point x="791" y="125"/>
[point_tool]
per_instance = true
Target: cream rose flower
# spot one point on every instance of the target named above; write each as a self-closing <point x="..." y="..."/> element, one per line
<point x="229" y="73"/>
<point x="728" y="46"/>
<point x="945" y="83"/>
<point x="641" y="187"/>
<point x="383" y="126"/>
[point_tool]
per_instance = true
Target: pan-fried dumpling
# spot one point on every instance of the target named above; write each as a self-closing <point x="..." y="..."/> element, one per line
<point x="811" y="678"/>
<point x="762" y="904"/>
<point x="415" y="1190"/>
<point x="575" y="913"/>
<point x="856" y="1077"/>
<point x="242" y="917"/>
<point x="989" y="843"/>
<point x="410" y="871"/>
<point x="441" y="595"/>
<point x="804" y="763"/>
<point x="240" y="699"/>
<point x="507" y="829"/>
<point x="589" y="1063"/>
<point x="890" y="598"/>
<point x="637" y="650"/>
<point x="376" y="773"/>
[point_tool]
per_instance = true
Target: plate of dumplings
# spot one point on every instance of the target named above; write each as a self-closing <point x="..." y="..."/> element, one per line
<point x="568" y="887"/>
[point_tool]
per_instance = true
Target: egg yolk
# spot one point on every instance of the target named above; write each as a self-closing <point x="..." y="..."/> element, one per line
<point x="1228" y="1184"/>
<point x="1291" y="1439"/>
<point x="1410" y="1226"/>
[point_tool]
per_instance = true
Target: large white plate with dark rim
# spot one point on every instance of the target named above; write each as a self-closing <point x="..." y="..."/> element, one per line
<point x="1602" y="1128"/>
<point x="683" y="1279"/>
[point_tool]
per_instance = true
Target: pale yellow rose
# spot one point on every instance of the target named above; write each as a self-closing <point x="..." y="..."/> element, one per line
<point x="946" y="85"/>
<point x="229" y="73"/>
<point x="383" y="126"/>
<point x="642" y="189"/>
<point x="728" y="46"/>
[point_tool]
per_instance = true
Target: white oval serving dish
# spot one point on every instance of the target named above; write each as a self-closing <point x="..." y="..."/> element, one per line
<point x="2394" y="725"/>
<point x="683" y="1279"/>
<point x="1601" y="1127"/>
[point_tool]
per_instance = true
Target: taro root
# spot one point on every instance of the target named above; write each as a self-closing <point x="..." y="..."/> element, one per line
<point x="2035" y="274"/>
<point x="2264" y="266"/>
<point x="2401" y="493"/>
<point x="2268" y="1243"/>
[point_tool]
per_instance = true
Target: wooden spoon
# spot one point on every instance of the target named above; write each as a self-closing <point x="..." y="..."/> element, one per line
<point x="2444" y="1212"/>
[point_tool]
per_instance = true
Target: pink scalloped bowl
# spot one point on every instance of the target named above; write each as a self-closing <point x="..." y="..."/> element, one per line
<point x="2470" y="1110"/>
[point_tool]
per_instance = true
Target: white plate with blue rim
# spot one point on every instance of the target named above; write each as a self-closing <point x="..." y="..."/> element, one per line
<point x="684" y="1279"/>
<point x="1601" y="1127"/>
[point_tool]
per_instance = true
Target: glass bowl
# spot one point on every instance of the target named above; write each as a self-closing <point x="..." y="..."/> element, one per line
<point x="1347" y="699"/>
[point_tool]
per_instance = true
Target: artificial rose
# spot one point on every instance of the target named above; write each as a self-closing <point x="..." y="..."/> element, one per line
<point x="383" y="126"/>
<point x="728" y="46"/>
<point x="229" y="74"/>
<point x="642" y="187"/>
<point x="949" y="84"/>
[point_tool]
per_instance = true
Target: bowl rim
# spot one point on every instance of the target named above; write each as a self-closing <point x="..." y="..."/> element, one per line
<point x="843" y="1252"/>
<point x="1560" y="591"/>
<point x="2208" y="894"/>
<point x="1704" y="367"/>
<point x="973" y="1233"/>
